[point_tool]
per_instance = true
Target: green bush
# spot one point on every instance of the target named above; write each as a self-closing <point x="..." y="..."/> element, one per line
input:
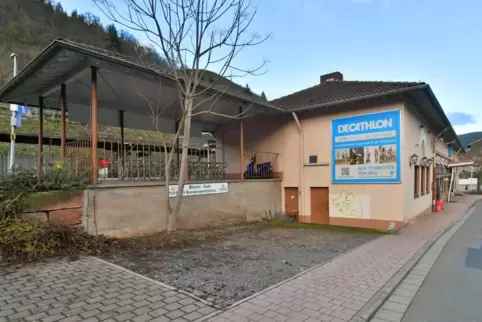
<point x="30" y="239"/>
<point x="16" y="185"/>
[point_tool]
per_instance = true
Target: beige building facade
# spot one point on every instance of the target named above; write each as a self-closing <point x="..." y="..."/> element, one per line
<point x="391" y="173"/>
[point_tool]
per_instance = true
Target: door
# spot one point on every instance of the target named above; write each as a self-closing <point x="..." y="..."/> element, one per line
<point x="320" y="206"/>
<point x="291" y="199"/>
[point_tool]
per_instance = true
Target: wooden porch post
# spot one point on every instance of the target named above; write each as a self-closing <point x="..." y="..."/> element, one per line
<point x="40" y="160"/>
<point x="241" y="145"/>
<point x="93" y="123"/>
<point x="63" y="128"/>
<point x="122" y="149"/>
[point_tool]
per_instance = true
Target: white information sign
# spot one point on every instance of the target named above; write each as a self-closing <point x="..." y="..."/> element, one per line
<point x="199" y="189"/>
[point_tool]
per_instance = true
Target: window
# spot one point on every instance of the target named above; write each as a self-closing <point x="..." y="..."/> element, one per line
<point x="427" y="180"/>
<point x="416" y="181"/>
<point x="424" y="181"/>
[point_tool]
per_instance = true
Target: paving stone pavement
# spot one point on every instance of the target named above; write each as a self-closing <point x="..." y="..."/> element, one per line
<point x="93" y="290"/>
<point x="337" y="290"/>
<point x="90" y="290"/>
<point x="398" y="302"/>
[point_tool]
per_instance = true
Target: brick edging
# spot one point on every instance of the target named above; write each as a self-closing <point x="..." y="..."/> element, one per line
<point x="169" y="287"/>
<point x="372" y="306"/>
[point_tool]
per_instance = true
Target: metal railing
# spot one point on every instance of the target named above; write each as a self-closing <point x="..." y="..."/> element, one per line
<point x="141" y="160"/>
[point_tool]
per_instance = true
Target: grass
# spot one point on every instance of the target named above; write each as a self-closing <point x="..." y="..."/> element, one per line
<point x="298" y="225"/>
<point x="74" y="130"/>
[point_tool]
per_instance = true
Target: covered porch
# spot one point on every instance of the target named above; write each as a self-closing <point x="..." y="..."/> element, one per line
<point x="100" y="88"/>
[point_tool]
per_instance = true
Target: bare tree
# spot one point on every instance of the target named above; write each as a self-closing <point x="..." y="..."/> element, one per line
<point x="193" y="36"/>
<point x="478" y="170"/>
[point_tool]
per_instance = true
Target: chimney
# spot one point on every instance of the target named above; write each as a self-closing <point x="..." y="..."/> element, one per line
<point x="336" y="76"/>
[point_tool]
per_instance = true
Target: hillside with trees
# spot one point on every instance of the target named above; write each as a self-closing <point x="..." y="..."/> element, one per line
<point x="28" y="26"/>
<point x="468" y="138"/>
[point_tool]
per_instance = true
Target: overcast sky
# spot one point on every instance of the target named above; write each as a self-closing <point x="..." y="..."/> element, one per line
<point x="435" y="41"/>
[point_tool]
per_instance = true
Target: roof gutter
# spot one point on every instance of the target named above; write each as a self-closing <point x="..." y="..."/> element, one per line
<point x="438" y="108"/>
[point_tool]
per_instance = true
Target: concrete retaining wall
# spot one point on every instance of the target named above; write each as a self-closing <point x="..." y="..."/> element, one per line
<point x="137" y="209"/>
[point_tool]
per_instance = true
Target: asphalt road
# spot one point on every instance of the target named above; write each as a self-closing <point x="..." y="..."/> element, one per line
<point x="452" y="291"/>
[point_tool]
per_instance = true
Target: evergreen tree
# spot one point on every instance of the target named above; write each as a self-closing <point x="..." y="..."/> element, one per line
<point x="263" y="96"/>
<point x="247" y="89"/>
<point x="113" y="36"/>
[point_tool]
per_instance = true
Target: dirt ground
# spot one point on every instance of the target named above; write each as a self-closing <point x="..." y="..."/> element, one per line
<point x="227" y="269"/>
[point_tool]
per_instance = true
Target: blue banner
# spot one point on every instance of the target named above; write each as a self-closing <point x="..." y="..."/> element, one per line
<point x="366" y="148"/>
<point x="18" y="120"/>
<point x="26" y="111"/>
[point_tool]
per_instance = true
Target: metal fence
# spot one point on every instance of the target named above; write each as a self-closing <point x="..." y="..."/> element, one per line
<point x="140" y="160"/>
<point x="29" y="161"/>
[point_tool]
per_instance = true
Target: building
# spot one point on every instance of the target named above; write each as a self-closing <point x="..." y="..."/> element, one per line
<point x="358" y="153"/>
<point x="364" y="154"/>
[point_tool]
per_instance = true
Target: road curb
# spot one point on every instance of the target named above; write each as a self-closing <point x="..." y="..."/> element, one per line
<point x="374" y="304"/>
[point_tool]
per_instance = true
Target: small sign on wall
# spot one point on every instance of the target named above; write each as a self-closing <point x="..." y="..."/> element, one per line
<point x="199" y="189"/>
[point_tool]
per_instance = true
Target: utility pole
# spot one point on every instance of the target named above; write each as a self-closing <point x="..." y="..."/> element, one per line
<point x="13" y="120"/>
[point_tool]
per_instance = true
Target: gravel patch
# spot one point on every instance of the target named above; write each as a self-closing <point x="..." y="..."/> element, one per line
<point x="227" y="270"/>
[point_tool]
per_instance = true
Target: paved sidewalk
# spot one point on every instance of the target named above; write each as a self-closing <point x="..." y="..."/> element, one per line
<point x="90" y="290"/>
<point x="336" y="291"/>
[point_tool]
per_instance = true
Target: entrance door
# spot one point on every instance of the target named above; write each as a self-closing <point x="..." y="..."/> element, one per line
<point x="320" y="206"/>
<point x="291" y="199"/>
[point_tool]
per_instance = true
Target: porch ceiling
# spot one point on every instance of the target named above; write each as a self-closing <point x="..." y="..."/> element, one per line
<point x="123" y="84"/>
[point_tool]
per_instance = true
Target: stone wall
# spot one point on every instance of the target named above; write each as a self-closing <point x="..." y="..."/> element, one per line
<point x="57" y="207"/>
<point x="136" y="209"/>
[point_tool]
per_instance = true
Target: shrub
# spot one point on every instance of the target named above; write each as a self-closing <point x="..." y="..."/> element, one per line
<point x="25" y="240"/>
<point x="30" y="239"/>
<point x="17" y="184"/>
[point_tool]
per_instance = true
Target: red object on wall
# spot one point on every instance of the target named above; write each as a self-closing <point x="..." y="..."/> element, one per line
<point x="439" y="205"/>
<point x="104" y="163"/>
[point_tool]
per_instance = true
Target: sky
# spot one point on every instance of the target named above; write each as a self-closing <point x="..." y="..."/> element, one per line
<point x="434" y="41"/>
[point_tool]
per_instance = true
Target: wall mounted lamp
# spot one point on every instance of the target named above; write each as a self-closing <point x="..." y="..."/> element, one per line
<point x="413" y="159"/>
<point x="429" y="163"/>
<point x="423" y="162"/>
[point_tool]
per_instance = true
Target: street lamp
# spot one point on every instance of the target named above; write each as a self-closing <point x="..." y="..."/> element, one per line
<point x="13" y="119"/>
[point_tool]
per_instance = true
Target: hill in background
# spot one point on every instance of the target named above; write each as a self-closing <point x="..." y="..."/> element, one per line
<point x="28" y="26"/>
<point x="468" y="138"/>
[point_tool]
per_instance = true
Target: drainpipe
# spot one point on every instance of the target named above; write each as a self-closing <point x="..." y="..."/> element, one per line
<point x="434" y="170"/>
<point x="301" y="168"/>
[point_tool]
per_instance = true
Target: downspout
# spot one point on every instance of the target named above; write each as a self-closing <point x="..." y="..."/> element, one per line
<point x="434" y="170"/>
<point x="301" y="167"/>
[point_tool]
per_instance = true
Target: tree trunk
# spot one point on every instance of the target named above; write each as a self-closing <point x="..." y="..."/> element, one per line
<point x="167" y="175"/>
<point x="172" y="224"/>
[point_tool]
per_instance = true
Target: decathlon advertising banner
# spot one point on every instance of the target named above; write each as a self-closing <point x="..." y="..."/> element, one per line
<point x="366" y="148"/>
